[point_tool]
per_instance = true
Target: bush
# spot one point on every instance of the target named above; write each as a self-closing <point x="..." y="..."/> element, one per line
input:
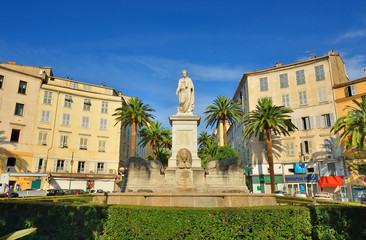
<point x="225" y="152"/>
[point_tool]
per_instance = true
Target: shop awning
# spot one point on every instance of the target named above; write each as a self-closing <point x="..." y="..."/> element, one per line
<point x="330" y="181"/>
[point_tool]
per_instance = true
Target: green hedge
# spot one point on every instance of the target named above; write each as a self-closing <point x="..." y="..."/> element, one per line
<point x="90" y="221"/>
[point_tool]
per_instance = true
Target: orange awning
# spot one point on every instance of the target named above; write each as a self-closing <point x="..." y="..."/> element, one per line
<point x="330" y="181"/>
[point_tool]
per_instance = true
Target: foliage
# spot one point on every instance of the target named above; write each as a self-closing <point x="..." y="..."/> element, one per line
<point x="203" y="138"/>
<point x="224" y="110"/>
<point x="352" y="126"/>
<point x="134" y="113"/>
<point x="93" y="221"/>
<point x="154" y="134"/>
<point x="18" y="234"/>
<point x="163" y="156"/>
<point x="225" y="152"/>
<point x="207" y="152"/>
<point x="265" y="120"/>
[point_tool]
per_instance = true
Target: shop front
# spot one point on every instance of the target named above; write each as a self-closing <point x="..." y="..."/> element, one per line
<point x="302" y="182"/>
<point x="262" y="183"/>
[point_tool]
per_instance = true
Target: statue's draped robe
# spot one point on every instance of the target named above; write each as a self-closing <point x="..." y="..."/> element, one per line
<point x="186" y="95"/>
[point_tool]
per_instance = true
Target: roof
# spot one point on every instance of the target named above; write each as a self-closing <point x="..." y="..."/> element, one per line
<point x="359" y="80"/>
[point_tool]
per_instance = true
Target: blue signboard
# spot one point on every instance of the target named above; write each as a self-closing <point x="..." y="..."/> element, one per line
<point x="307" y="178"/>
<point x="299" y="168"/>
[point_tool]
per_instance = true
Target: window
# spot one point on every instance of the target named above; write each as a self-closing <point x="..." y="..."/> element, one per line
<point x="300" y="77"/>
<point x="322" y="94"/>
<point x="64" y="141"/>
<point x="306" y="123"/>
<point x="290" y="149"/>
<point x="87" y="104"/>
<point x="1" y="81"/>
<point x="22" y="87"/>
<point x="81" y="167"/>
<point x="310" y="169"/>
<point x="85" y="122"/>
<point x="100" y="168"/>
<point x="68" y="101"/>
<point x="104" y="107"/>
<point x="331" y="169"/>
<point x="306" y="147"/>
<point x="42" y="138"/>
<point x="19" y="109"/>
<point x="60" y="167"/>
<point x="66" y="119"/>
<point x="325" y="120"/>
<point x="10" y="165"/>
<point x="47" y="97"/>
<point x="284" y="80"/>
<point x="263" y="84"/>
<point x="45" y="116"/>
<point x="14" y="135"/>
<point x="303" y="99"/>
<point x="73" y="85"/>
<point x="350" y="91"/>
<point x="83" y="143"/>
<point x="319" y="73"/>
<point x="286" y="100"/>
<point x="103" y="123"/>
<point x="40" y="165"/>
<point x="87" y="88"/>
<point x="101" y="145"/>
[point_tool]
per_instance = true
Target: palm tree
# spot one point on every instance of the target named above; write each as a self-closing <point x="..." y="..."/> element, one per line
<point x="153" y="134"/>
<point x="134" y="113"/>
<point x="265" y="120"/>
<point x="223" y="110"/>
<point x="352" y="127"/>
<point x="167" y="141"/>
<point x="203" y="139"/>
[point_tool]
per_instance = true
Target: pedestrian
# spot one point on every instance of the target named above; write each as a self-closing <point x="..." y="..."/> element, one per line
<point x="7" y="190"/>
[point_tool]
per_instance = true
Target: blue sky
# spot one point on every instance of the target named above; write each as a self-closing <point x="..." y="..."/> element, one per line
<point x="140" y="47"/>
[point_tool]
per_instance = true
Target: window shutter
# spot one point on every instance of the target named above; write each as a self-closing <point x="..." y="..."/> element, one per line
<point x="302" y="148"/>
<point x="353" y="90"/>
<point x="95" y="167"/>
<point x="311" y="122"/>
<point x="66" y="166"/>
<point x="320" y="95"/>
<point x="305" y="98"/>
<point x="301" y="99"/>
<point x="54" y="166"/>
<point x="300" y="124"/>
<point x="298" y="77"/>
<point x="331" y="115"/>
<point x="36" y="165"/>
<point x="105" y="168"/>
<point x="318" y="122"/>
<point x="86" y="167"/>
<point x="317" y="75"/>
<point x="310" y="144"/>
<point x="322" y="74"/>
<point x="293" y="121"/>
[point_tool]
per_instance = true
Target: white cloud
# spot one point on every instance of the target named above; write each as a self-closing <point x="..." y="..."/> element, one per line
<point x="350" y="35"/>
<point x="355" y="65"/>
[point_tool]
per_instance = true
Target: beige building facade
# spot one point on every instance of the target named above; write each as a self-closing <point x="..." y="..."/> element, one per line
<point x="307" y="160"/>
<point x="67" y="130"/>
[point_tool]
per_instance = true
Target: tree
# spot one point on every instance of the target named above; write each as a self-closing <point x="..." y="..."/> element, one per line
<point x="352" y="126"/>
<point x="203" y="138"/>
<point x="225" y="152"/>
<point x="265" y="120"/>
<point x="222" y="111"/>
<point x="167" y="141"/>
<point x="153" y="134"/>
<point x="134" y="113"/>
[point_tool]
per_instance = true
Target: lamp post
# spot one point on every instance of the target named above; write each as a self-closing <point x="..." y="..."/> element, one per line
<point x="72" y="163"/>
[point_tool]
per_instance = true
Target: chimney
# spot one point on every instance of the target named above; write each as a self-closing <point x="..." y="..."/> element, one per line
<point x="68" y="78"/>
<point x="12" y="62"/>
<point x="313" y="57"/>
<point x="278" y="64"/>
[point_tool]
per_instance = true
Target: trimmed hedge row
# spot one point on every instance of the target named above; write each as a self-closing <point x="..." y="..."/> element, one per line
<point x="90" y="221"/>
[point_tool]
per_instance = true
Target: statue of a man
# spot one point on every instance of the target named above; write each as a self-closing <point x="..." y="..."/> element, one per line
<point x="186" y="94"/>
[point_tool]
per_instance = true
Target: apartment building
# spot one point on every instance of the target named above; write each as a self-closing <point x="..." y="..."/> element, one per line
<point x="62" y="133"/>
<point x="307" y="160"/>
<point x="19" y="87"/>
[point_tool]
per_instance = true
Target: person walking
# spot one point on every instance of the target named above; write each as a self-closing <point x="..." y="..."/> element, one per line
<point x="7" y="190"/>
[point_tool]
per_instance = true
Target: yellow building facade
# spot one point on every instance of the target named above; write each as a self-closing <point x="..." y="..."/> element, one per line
<point x="307" y="158"/>
<point x="66" y="131"/>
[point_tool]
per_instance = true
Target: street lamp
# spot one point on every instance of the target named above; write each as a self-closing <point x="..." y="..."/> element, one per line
<point x="72" y="163"/>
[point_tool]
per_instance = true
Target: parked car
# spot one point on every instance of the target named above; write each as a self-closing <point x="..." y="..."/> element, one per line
<point x="32" y="192"/>
<point x="280" y="193"/>
<point x="74" y="192"/>
<point x="96" y="191"/>
<point x="363" y="199"/>
<point x="55" y="192"/>
<point x="323" y="196"/>
<point x="301" y="194"/>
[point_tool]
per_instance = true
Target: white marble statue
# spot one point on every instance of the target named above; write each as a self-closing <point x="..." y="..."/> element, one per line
<point x="186" y="94"/>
